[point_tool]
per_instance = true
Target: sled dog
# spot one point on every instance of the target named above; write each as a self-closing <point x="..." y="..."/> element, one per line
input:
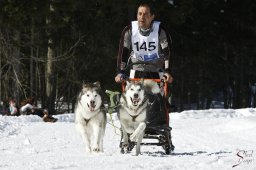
<point x="132" y="111"/>
<point x="90" y="117"/>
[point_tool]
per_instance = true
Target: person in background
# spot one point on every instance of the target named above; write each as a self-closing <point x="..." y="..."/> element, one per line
<point x="28" y="107"/>
<point x="1" y="107"/>
<point x="13" y="108"/>
<point x="3" y="110"/>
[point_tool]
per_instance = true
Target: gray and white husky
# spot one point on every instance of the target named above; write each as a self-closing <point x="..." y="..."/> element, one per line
<point x="132" y="111"/>
<point x="90" y="117"/>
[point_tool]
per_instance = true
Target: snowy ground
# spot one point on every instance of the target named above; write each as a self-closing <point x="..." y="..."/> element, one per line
<point x="210" y="139"/>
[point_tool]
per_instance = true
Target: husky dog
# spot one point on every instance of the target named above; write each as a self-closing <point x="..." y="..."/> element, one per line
<point x="90" y="117"/>
<point x="132" y="111"/>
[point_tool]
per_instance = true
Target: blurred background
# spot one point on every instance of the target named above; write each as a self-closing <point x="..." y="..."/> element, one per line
<point x="48" y="48"/>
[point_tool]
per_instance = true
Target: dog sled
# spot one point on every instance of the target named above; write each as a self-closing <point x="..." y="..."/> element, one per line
<point x="158" y="131"/>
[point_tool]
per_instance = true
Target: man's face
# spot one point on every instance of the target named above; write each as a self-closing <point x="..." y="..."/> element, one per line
<point x="144" y="17"/>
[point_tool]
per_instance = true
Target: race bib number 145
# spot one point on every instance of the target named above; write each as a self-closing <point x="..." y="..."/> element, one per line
<point x="144" y="46"/>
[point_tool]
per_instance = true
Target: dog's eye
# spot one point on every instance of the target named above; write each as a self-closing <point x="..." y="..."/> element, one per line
<point x="95" y="95"/>
<point x="87" y="95"/>
<point x="139" y="89"/>
<point x="132" y="89"/>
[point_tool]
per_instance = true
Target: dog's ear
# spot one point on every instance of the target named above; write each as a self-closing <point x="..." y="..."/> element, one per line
<point x="97" y="84"/>
<point x="83" y="84"/>
<point x="128" y="82"/>
<point x="141" y="81"/>
<point x="87" y="85"/>
<point x="151" y="86"/>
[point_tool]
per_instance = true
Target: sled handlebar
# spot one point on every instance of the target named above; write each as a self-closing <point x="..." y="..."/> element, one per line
<point x="128" y="67"/>
<point x="158" y="80"/>
<point x="165" y="86"/>
<point x="138" y="79"/>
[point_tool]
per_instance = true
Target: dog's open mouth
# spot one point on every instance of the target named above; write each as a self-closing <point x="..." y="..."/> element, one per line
<point x="91" y="106"/>
<point x="135" y="101"/>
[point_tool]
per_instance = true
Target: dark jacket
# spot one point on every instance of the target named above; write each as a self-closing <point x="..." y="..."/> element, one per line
<point x="125" y="52"/>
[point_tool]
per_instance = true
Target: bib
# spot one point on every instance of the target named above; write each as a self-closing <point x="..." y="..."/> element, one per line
<point x="145" y="48"/>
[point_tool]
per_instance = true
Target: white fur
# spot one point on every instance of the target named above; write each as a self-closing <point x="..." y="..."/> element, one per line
<point x="90" y="119"/>
<point x="128" y="111"/>
<point x="154" y="87"/>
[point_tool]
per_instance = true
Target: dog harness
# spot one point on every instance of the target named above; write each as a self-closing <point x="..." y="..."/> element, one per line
<point x="134" y="117"/>
<point x="87" y="120"/>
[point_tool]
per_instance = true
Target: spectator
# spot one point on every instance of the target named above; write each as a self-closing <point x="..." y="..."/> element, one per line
<point x="2" y="108"/>
<point x="28" y="107"/>
<point x="13" y="108"/>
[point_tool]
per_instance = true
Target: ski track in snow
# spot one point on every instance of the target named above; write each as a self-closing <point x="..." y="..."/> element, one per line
<point x="206" y="139"/>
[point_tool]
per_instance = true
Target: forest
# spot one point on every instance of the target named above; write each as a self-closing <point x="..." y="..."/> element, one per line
<point x="49" y="48"/>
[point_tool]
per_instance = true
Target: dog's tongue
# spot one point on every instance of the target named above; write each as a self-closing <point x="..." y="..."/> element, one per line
<point x="91" y="107"/>
<point x="135" y="101"/>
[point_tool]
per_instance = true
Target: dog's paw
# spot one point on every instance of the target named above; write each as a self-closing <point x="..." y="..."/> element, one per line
<point x="87" y="150"/>
<point x="96" y="149"/>
<point x="126" y="148"/>
<point x="133" y="137"/>
<point x="125" y="144"/>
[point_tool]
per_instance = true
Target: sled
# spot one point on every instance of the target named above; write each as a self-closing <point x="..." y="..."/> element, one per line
<point x="160" y="131"/>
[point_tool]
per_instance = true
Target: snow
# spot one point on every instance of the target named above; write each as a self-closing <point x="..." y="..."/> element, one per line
<point x="204" y="139"/>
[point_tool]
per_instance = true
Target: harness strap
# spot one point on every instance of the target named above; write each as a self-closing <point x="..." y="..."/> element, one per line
<point x="113" y="104"/>
<point x="134" y="117"/>
<point x="87" y="120"/>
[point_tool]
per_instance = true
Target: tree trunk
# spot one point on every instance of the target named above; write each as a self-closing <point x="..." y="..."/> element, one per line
<point x="49" y="71"/>
<point x="1" y="96"/>
<point x="49" y="77"/>
<point x="31" y="57"/>
<point x="16" y="67"/>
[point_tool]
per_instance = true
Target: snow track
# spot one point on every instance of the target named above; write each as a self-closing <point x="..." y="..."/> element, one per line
<point x="210" y="139"/>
